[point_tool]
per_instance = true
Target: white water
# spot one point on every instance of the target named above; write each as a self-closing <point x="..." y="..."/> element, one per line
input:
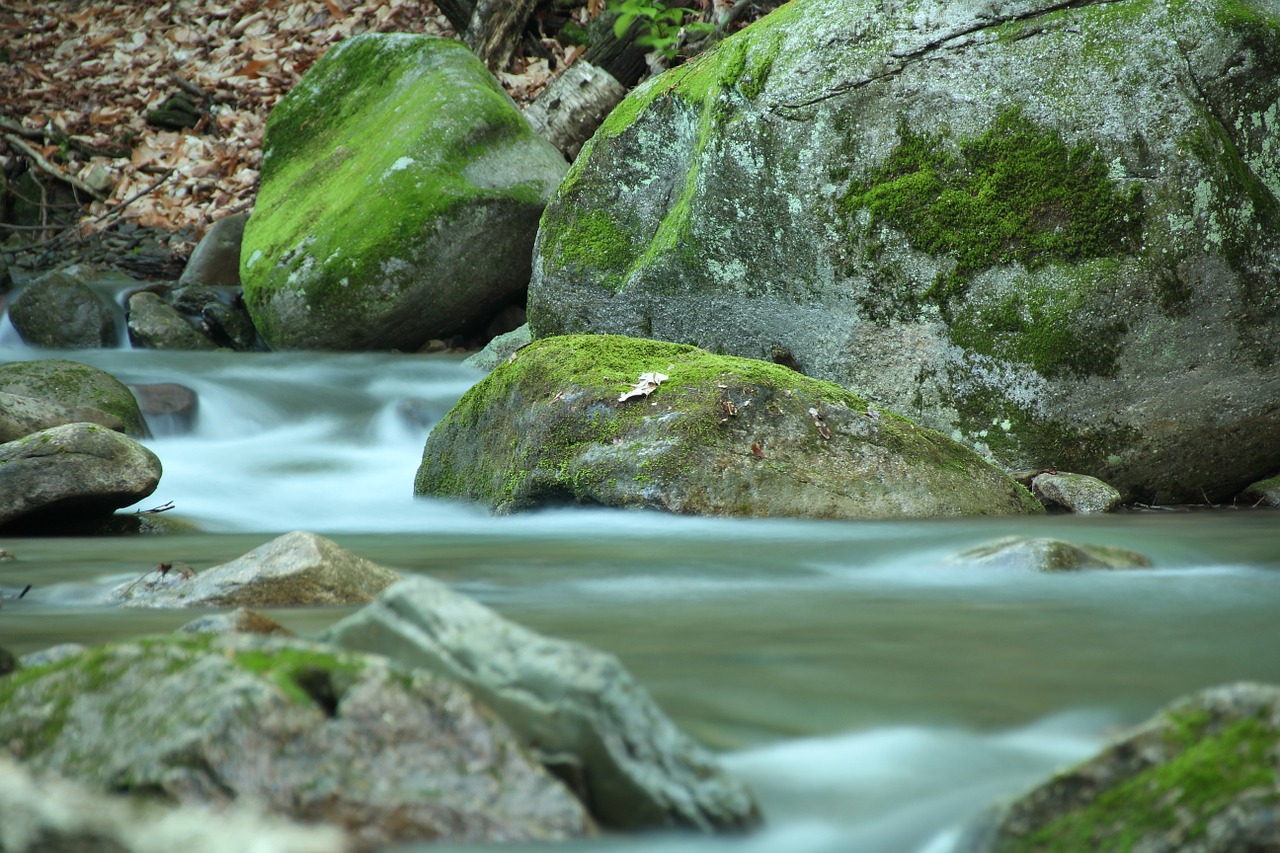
<point x="875" y="694"/>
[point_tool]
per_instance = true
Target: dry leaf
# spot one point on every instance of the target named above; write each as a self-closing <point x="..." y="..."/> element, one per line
<point x="647" y="384"/>
<point x="755" y="448"/>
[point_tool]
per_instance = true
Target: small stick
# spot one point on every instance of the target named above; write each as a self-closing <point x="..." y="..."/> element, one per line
<point x="25" y="590"/>
<point x="45" y="165"/>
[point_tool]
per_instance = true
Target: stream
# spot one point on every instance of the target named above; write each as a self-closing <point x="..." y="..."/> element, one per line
<point x="873" y="694"/>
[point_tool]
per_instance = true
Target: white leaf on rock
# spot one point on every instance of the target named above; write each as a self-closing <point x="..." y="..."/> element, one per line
<point x="647" y="384"/>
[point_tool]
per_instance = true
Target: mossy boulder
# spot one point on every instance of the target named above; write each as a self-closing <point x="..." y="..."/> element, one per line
<point x="60" y="310"/>
<point x="401" y="190"/>
<point x="292" y="728"/>
<point x="1048" y="230"/>
<point x="74" y="386"/>
<point x="1203" y="774"/>
<point x="718" y="436"/>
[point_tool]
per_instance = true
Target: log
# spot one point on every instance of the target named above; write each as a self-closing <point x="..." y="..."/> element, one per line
<point x="570" y="109"/>
<point x="495" y="29"/>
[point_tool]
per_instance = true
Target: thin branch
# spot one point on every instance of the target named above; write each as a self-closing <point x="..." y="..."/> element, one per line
<point x="45" y="165"/>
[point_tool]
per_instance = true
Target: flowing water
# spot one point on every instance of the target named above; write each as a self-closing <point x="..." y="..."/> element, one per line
<point x="874" y="694"/>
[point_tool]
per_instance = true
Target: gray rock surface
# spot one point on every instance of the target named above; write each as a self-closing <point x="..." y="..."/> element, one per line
<point x="74" y="385"/>
<point x="499" y="349"/>
<point x="21" y="416"/>
<point x="170" y="407"/>
<point x="215" y="261"/>
<point x="296" y="729"/>
<point x="713" y="435"/>
<point x="155" y="324"/>
<point x="59" y="310"/>
<point x="1078" y="493"/>
<point x="43" y="814"/>
<point x="67" y="473"/>
<point x="578" y="707"/>
<point x="423" y="222"/>
<point x="1050" y="555"/>
<point x="1048" y="229"/>
<point x="295" y="569"/>
<point x="1200" y="776"/>
<point x="239" y="621"/>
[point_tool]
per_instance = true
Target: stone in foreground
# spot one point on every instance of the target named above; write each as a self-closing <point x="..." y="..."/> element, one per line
<point x="1199" y="776"/>
<point x="401" y="191"/>
<point x="295" y="569"/>
<point x="587" y="718"/>
<point x="1050" y="555"/>
<point x="293" y="728"/>
<point x="716" y="436"/>
<point x="74" y="385"/>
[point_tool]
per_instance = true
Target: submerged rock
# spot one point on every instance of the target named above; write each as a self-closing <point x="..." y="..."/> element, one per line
<point x="401" y="190"/>
<point x="1078" y="493"/>
<point x="1050" y="555"/>
<point x="1199" y="776"/>
<point x="60" y="476"/>
<point x="578" y="708"/>
<point x="1051" y="230"/>
<point x="298" y="568"/>
<point x="715" y="436"/>
<point x="43" y="814"/>
<point x="297" y="729"/>
<point x="74" y="385"/>
<point x="59" y="310"/>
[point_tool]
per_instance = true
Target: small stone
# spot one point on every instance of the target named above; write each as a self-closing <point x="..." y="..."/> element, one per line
<point x="1078" y="493"/>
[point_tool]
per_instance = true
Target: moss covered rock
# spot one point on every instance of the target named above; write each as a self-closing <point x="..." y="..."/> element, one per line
<point x="1203" y="774"/>
<point x="73" y="385"/>
<point x="717" y="436"/>
<point x="1049" y="230"/>
<point x="401" y="190"/>
<point x="289" y="727"/>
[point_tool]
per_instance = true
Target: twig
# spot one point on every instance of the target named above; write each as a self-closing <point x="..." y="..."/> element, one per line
<point x="45" y="165"/>
<point x="16" y="127"/>
<point x="162" y="508"/>
<point x="139" y="194"/>
<point x="25" y="590"/>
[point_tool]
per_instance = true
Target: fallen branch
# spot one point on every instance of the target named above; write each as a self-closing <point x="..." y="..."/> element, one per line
<point x="17" y="142"/>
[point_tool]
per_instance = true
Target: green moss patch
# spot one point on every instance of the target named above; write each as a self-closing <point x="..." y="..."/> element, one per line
<point x="1017" y="193"/>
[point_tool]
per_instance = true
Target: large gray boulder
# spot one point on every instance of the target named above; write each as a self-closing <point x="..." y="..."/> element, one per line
<point x="697" y="434"/>
<point x="74" y="386"/>
<point x="401" y="190"/>
<point x="66" y="473"/>
<point x="215" y="261"/>
<point x="21" y="416"/>
<point x="584" y="714"/>
<point x="295" y="729"/>
<point x="1048" y="229"/>
<point x="51" y="815"/>
<point x="295" y="569"/>
<point x="59" y="310"/>
<point x="1200" y="776"/>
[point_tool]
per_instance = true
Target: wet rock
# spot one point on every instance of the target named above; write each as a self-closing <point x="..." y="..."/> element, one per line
<point x="578" y="707"/>
<point x="715" y="436"/>
<point x="420" y="413"/>
<point x="499" y="349"/>
<point x="230" y="326"/>
<point x="238" y="621"/>
<point x="216" y="258"/>
<point x="424" y="225"/>
<point x="21" y="416"/>
<point x="959" y="210"/>
<point x="60" y="311"/>
<point x="1050" y="555"/>
<point x="1199" y="776"/>
<point x="44" y="814"/>
<point x="1264" y="492"/>
<point x="73" y="385"/>
<point x="296" y="729"/>
<point x="170" y="407"/>
<point x="155" y="324"/>
<point x="191" y="299"/>
<point x="1078" y="493"/>
<point x="52" y="655"/>
<point x="299" y="568"/>
<point x="65" y="474"/>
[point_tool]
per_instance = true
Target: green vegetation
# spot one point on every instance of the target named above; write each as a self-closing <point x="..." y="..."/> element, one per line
<point x="661" y="24"/>
<point x="1016" y="193"/>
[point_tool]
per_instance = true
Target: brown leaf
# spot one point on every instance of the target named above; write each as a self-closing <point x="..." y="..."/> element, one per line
<point x="755" y="448"/>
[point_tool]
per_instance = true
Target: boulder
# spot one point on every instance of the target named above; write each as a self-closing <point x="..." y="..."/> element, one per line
<point x="401" y="190"/>
<point x="499" y="349"/>
<point x="59" y="310"/>
<point x="295" y="569"/>
<point x="1050" y="555"/>
<point x="155" y="324"/>
<point x="1264" y="492"/>
<point x="66" y="473"/>
<point x="1199" y="776"/>
<point x="21" y="416"/>
<point x="44" y="814"/>
<point x="215" y="261"/>
<point x="75" y="386"/>
<point x="1078" y="493"/>
<point x="582" y="712"/>
<point x="698" y="434"/>
<point x="239" y="621"/>
<point x="296" y="729"/>
<point x="1050" y="230"/>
